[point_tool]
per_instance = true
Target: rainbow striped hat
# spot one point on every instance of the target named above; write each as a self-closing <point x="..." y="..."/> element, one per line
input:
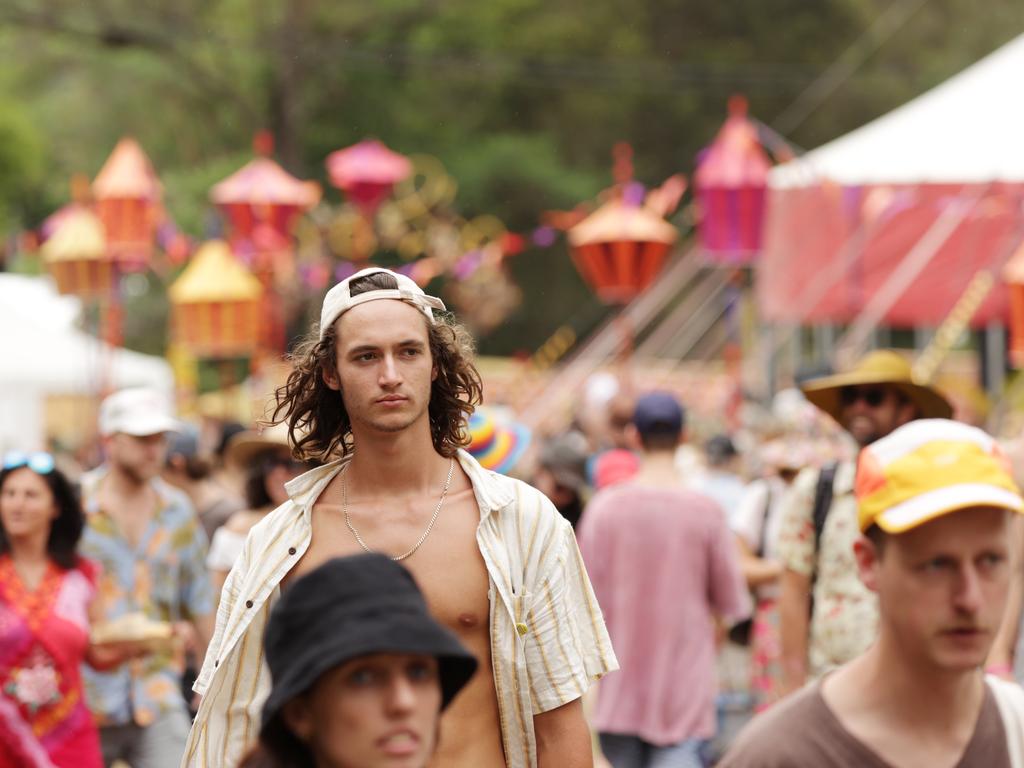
<point x="495" y="442"/>
<point x="929" y="468"/>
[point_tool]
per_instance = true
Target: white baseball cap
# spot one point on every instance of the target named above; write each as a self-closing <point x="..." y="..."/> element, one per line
<point x="138" y="411"/>
<point x="338" y="300"/>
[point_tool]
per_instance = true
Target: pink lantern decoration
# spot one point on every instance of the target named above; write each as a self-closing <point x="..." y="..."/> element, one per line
<point x="367" y="172"/>
<point x="258" y="197"/>
<point x="730" y="185"/>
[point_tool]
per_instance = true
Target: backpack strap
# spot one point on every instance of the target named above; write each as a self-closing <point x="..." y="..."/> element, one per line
<point x="762" y="540"/>
<point x="823" y="494"/>
<point x="1010" y="699"/>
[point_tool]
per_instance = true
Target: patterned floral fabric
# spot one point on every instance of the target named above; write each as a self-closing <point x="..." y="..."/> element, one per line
<point x="766" y="655"/>
<point x="163" y="577"/>
<point x="845" y="619"/>
<point x="44" y="635"/>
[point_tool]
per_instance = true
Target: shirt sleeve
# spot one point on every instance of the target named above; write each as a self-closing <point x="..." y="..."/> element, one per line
<point x="727" y="587"/>
<point x="796" y="527"/>
<point x="567" y="644"/>
<point x="750" y="514"/>
<point x="228" y="598"/>
<point x="196" y="588"/>
<point x="224" y="549"/>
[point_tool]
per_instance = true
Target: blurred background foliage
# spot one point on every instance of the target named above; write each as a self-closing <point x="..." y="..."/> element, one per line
<point x="521" y="100"/>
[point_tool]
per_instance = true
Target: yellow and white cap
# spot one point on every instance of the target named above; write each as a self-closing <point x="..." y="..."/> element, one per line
<point x="929" y="468"/>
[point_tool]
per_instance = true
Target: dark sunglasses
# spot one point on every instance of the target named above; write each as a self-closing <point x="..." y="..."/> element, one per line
<point x="39" y="462"/>
<point x="873" y="396"/>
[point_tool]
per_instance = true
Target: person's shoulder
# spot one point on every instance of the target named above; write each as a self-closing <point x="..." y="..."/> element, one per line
<point x="243" y="520"/>
<point x="777" y="738"/>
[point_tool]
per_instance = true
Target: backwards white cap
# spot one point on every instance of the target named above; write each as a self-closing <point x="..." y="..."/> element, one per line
<point x="339" y="300"/>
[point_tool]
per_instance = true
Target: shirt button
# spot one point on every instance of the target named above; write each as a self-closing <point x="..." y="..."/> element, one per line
<point x="291" y="550"/>
<point x="216" y="662"/>
<point x="522" y="629"/>
<point x="248" y="603"/>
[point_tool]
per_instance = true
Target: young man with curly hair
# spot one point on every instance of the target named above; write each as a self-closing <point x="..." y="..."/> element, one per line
<point x="381" y="393"/>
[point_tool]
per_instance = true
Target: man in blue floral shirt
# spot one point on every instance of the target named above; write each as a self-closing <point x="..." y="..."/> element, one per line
<point x="147" y="538"/>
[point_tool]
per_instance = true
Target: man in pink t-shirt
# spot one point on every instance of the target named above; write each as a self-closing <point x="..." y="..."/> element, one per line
<point x="663" y="565"/>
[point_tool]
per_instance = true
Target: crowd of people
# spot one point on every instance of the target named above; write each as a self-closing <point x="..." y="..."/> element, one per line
<point x="356" y="585"/>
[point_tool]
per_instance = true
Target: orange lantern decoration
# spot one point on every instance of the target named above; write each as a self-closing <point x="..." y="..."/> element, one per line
<point x="367" y="172"/>
<point x="76" y="255"/>
<point x="261" y="202"/>
<point x="127" y="200"/>
<point x="216" y="305"/>
<point x="1013" y="275"/>
<point x="620" y="249"/>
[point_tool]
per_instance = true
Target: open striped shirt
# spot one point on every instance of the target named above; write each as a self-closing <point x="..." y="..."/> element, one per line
<point x="548" y="638"/>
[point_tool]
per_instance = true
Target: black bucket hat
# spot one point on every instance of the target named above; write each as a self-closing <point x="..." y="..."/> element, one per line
<point x="351" y="607"/>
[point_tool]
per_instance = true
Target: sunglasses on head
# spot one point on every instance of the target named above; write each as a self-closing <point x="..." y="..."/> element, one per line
<point x="873" y="396"/>
<point x="39" y="462"/>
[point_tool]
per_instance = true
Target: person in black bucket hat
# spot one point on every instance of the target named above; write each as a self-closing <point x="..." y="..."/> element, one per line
<point x="360" y="670"/>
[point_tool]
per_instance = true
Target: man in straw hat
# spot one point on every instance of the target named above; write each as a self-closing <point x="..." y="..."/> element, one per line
<point x="381" y="392"/>
<point x="935" y="502"/>
<point x="819" y="519"/>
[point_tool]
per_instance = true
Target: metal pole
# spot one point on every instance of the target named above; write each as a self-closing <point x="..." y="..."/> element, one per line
<point x="995" y="359"/>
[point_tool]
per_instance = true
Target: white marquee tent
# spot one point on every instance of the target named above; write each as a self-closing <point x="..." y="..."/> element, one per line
<point x="43" y="353"/>
<point x="968" y="129"/>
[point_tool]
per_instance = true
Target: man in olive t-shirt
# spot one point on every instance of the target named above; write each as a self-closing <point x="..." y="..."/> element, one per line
<point x="934" y="504"/>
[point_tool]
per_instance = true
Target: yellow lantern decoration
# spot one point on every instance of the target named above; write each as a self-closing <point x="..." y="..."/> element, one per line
<point x="216" y="305"/>
<point x="76" y="256"/>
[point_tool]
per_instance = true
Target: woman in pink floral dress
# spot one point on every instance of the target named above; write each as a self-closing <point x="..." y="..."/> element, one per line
<point x="45" y="595"/>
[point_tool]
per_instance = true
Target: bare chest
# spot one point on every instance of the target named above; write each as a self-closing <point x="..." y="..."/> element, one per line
<point x="447" y="565"/>
<point x="132" y="518"/>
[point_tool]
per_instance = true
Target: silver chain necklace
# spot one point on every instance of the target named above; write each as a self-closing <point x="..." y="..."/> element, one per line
<point x="430" y="525"/>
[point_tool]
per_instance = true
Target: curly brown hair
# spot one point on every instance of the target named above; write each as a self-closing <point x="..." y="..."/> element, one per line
<point x="319" y="426"/>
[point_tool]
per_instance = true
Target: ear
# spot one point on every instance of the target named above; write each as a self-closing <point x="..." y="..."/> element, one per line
<point x="632" y="436"/>
<point x="868" y="562"/>
<point x="298" y="717"/>
<point x="330" y="378"/>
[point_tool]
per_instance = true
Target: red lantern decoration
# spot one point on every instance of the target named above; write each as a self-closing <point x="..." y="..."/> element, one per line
<point x="216" y="305"/>
<point x="366" y="173"/>
<point x="127" y="200"/>
<point x="730" y="185"/>
<point x="620" y="249"/>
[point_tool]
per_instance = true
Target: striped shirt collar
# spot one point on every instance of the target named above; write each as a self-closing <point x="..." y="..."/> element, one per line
<point x="491" y="494"/>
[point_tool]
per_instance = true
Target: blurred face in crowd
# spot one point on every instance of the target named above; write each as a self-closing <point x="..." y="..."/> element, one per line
<point x="279" y="469"/>
<point x="376" y="710"/>
<point x="27" y="506"/>
<point x="941" y="587"/>
<point x="138" y="458"/>
<point x="872" y="411"/>
<point x="384" y="366"/>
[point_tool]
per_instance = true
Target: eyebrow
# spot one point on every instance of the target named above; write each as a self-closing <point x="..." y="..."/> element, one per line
<point x="374" y="347"/>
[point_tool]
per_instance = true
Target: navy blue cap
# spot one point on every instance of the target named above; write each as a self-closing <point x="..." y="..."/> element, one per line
<point x="658" y="413"/>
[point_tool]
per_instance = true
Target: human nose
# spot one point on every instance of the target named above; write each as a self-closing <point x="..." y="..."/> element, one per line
<point x="968" y="596"/>
<point x="401" y="694"/>
<point x="389" y="374"/>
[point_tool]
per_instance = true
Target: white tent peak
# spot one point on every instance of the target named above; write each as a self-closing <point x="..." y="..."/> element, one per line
<point x="43" y="353"/>
<point x="966" y="130"/>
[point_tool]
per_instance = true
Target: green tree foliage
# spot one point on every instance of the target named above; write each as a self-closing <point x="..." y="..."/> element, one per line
<point x="520" y="99"/>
